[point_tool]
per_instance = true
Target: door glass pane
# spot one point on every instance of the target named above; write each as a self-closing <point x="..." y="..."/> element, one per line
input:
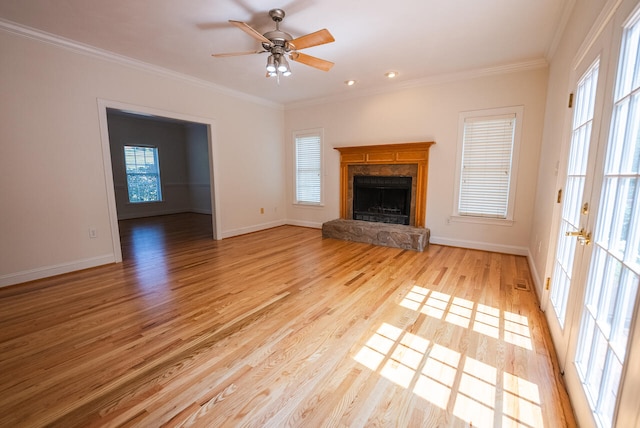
<point x="595" y="367"/>
<point x="573" y="190"/>
<point x="613" y="279"/>
<point x="624" y="310"/>
<point x="586" y="340"/>
<point x="610" y="390"/>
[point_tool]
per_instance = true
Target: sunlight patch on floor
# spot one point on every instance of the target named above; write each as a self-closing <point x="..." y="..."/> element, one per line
<point x="489" y="321"/>
<point x="521" y="403"/>
<point x="437" y="376"/>
<point x="471" y="390"/>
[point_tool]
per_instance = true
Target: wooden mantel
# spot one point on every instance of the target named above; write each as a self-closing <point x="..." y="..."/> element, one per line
<point x="387" y="154"/>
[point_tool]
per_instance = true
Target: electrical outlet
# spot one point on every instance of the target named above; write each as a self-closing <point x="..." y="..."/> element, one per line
<point x="93" y="233"/>
<point x="261" y="210"/>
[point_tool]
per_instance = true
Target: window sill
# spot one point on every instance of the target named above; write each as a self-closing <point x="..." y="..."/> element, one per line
<point x="308" y="204"/>
<point x="480" y="220"/>
<point x="144" y="202"/>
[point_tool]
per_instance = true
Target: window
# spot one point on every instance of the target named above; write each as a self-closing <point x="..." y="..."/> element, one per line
<point x="143" y="174"/>
<point x="308" y="173"/>
<point x="488" y="149"/>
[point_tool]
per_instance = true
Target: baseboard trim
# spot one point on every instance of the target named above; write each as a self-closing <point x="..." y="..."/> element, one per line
<point x="476" y="245"/>
<point x="155" y="213"/>
<point x="201" y="211"/>
<point x="47" y="271"/>
<point x="537" y="281"/>
<point x="251" y="229"/>
<point x="311" y="224"/>
<point x="158" y="213"/>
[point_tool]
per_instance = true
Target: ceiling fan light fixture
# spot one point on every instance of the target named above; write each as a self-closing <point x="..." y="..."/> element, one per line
<point x="271" y="64"/>
<point x="286" y="73"/>
<point x="283" y="65"/>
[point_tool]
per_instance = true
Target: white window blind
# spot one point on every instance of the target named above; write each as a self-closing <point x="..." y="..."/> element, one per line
<point x="308" y="168"/>
<point x="143" y="174"/>
<point x="485" y="174"/>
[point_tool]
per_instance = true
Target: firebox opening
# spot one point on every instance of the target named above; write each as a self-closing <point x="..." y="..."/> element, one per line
<point x="382" y="199"/>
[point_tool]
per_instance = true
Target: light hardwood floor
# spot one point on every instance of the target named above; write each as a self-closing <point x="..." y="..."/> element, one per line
<point x="278" y="328"/>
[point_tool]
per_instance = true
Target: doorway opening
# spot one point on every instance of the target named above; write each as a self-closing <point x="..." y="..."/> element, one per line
<point x="156" y="164"/>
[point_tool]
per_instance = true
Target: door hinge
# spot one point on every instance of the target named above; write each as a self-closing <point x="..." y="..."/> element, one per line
<point x="547" y="284"/>
<point x="571" y="100"/>
<point x="559" y="199"/>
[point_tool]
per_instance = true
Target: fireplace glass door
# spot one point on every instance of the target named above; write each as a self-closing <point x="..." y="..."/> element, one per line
<point x="384" y="199"/>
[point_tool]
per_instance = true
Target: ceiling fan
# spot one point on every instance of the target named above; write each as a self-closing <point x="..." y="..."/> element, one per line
<point x="280" y="44"/>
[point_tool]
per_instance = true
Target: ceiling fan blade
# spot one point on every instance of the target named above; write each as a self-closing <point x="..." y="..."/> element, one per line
<point x="320" y="37"/>
<point x="251" y="31"/>
<point x="223" y="55"/>
<point x="312" y="61"/>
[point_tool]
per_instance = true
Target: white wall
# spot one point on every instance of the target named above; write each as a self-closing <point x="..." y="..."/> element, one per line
<point x="429" y="113"/>
<point x="52" y="183"/>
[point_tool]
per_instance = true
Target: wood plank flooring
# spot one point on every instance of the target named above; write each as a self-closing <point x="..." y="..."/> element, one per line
<point x="278" y="328"/>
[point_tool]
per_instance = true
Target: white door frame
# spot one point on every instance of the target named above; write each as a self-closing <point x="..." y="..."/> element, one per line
<point x="103" y="105"/>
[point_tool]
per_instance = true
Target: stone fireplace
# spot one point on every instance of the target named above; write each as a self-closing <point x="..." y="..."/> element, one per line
<point x="383" y="194"/>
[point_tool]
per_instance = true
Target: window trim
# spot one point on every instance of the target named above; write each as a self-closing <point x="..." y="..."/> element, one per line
<point x="126" y="174"/>
<point x="319" y="132"/>
<point x="518" y="111"/>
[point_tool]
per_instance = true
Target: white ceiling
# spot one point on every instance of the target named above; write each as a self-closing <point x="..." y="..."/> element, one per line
<point x="419" y="39"/>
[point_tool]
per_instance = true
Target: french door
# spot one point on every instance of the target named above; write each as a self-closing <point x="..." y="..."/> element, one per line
<point x="573" y="240"/>
<point x="596" y="268"/>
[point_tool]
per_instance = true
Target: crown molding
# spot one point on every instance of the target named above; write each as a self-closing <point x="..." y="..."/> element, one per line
<point x="438" y="79"/>
<point x="91" y="51"/>
<point x="606" y="14"/>
<point x="560" y="26"/>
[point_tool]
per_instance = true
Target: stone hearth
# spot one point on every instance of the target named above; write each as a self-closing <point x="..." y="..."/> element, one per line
<point x="388" y="235"/>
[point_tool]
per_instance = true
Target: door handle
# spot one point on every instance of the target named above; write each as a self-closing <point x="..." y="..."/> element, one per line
<point x="584" y="238"/>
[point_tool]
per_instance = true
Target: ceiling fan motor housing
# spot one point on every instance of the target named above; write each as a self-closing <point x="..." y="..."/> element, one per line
<point x="278" y="38"/>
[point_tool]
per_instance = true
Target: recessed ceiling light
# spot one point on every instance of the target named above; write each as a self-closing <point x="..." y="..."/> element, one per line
<point x="391" y="74"/>
<point x="349" y="82"/>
